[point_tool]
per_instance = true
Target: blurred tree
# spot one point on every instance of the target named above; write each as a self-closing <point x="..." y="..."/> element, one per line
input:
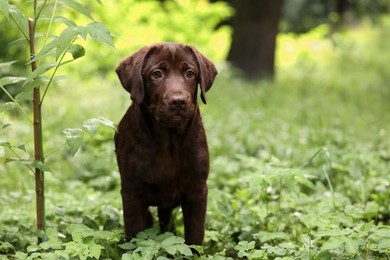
<point x="255" y="26"/>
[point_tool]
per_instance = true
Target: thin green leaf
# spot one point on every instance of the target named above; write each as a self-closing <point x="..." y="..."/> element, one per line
<point x="30" y="163"/>
<point x="9" y="145"/>
<point x="20" y="20"/>
<point x="100" y="33"/>
<point x="40" y="71"/>
<point x="17" y="40"/>
<point x="73" y="139"/>
<point x="8" y="160"/>
<point x="77" y="51"/>
<point x="65" y="21"/>
<point x="58" y="78"/>
<point x="78" y="7"/>
<point x="27" y="91"/>
<point x="38" y="165"/>
<point x="15" y="102"/>
<point x="65" y="40"/>
<point x="91" y="125"/>
<point x="7" y="64"/>
<point x="53" y="11"/>
<point x="61" y="19"/>
<point x="4" y="8"/>
<point x="11" y="80"/>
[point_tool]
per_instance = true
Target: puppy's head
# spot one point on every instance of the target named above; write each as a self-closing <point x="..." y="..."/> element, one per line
<point x="164" y="77"/>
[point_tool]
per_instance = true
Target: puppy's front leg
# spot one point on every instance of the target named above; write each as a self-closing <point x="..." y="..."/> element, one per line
<point x="137" y="216"/>
<point x="194" y="207"/>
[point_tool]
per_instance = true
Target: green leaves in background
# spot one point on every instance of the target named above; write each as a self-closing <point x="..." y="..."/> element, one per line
<point x="66" y="38"/>
<point x="100" y="33"/>
<point x="65" y="41"/>
<point x="74" y="136"/>
<point x="29" y="163"/>
<point x="9" y="145"/>
<point x="11" y="80"/>
<point x="73" y="139"/>
<point x="4" y="8"/>
<point x="16" y="15"/>
<point x="77" y="7"/>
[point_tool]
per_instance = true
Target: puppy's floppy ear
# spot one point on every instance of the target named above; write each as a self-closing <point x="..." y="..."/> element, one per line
<point x="129" y="72"/>
<point x="207" y="73"/>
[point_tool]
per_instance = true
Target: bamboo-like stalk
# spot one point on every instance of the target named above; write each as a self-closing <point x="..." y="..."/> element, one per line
<point x="38" y="141"/>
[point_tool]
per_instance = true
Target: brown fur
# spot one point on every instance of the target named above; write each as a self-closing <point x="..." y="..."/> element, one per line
<point x="161" y="144"/>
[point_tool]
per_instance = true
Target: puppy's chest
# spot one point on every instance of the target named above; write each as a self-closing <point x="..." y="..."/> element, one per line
<point x="166" y="166"/>
<point x="165" y="179"/>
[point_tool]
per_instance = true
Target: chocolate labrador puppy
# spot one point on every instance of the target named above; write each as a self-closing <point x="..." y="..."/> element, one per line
<point x="161" y="144"/>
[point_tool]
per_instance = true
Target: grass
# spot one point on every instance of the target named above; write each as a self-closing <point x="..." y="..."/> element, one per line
<point x="299" y="166"/>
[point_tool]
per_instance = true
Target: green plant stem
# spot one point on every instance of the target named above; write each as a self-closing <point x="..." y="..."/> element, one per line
<point x="327" y="155"/>
<point x="55" y="70"/>
<point x="20" y="29"/>
<point x="330" y="187"/>
<point x="16" y="103"/>
<point x="322" y="149"/>
<point x="38" y="14"/>
<point x="20" y="159"/>
<point x="51" y="21"/>
<point x="38" y="142"/>
<point x="55" y="150"/>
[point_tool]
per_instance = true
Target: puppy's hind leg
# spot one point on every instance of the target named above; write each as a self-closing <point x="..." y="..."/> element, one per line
<point x="165" y="219"/>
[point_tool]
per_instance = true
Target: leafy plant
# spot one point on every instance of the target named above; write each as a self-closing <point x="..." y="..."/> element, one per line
<point x="149" y="244"/>
<point x="52" y="55"/>
<point x="86" y="243"/>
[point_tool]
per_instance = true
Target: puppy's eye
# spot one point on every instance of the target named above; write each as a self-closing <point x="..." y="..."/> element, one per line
<point x="157" y="74"/>
<point x="190" y="74"/>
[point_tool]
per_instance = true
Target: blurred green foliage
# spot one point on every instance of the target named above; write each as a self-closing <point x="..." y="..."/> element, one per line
<point x="139" y="23"/>
<point x="300" y="16"/>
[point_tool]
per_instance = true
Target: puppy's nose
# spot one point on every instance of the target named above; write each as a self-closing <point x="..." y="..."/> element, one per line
<point x="178" y="100"/>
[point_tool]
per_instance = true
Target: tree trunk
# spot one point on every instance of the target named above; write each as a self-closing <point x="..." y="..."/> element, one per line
<point x="342" y="7"/>
<point x="255" y="26"/>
